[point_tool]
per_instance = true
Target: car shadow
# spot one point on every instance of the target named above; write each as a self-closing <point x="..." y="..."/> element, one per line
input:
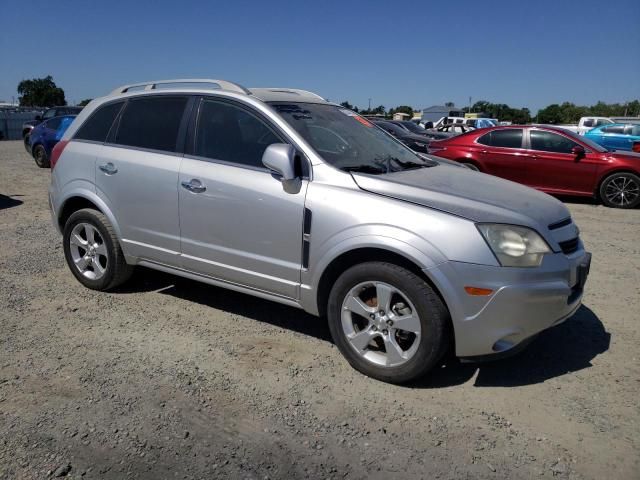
<point x="566" y="348"/>
<point x="8" y="202"/>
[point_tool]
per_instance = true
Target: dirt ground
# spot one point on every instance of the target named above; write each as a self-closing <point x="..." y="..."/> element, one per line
<point x="169" y="378"/>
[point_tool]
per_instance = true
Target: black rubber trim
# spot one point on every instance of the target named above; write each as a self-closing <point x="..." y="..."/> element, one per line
<point x="305" y="253"/>
<point x="307" y="221"/>
<point x="560" y="224"/>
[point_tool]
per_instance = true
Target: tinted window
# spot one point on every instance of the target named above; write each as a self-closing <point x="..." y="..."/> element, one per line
<point x="151" y="122"/>
<point x="49" y="114"/>
<point x="588" y="122"/>
<point x="509" y="138"/>
<point x="616" y="129"/>
<point x="229" y="133"/>
<point x="602" y="121"/>
<point x="550" y="142"/>
<point x="98" y="124"/>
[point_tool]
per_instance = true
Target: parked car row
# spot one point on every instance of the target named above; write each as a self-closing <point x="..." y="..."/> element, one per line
<point x="27" y="127"/>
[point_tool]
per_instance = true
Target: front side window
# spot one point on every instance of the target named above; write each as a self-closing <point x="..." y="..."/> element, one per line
<point x="550" y="142"/>
<point x="348" y="141"/>
<point x="508" y="138"/>
<point x="232" y="134"/>
<point x="602" y="121"/>
<point x="49" y="114"/>
<point x="614" y="129"/>
<point x="151" y="122"/>
<point x="97" y="126"/>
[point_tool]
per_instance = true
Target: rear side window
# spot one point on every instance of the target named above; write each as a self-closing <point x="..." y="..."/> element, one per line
<point x="509" y="138"/>
<point x="229" y="133"/>
<point x="588" y="122"/>
<point x="97" y="125"/>
<point x="551" y="142"/>
<point x="152" y="122"/>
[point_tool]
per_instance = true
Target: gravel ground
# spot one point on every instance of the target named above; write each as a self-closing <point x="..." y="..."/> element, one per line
<point x="168" y="378"/>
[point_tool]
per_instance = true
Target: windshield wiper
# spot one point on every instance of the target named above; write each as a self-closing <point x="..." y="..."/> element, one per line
<point x="364" y="169"/>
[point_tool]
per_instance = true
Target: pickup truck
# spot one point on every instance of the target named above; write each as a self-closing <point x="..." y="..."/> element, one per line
<point x="587" y="123"/>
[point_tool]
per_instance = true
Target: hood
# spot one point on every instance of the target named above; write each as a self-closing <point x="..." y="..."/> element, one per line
<point x="628" y="154"/>
<point x="473" y="195"/>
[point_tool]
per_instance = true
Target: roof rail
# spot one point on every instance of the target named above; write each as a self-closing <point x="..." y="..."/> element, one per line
<point x="297" y="91"/>
<point x="222" y="84"/>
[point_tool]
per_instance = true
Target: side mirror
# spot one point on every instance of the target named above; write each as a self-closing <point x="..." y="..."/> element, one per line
<point x="578" y="151"/>
<point x="280" y="158"/>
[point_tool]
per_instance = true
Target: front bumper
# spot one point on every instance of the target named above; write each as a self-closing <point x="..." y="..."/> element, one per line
<point x="524" y="302"/>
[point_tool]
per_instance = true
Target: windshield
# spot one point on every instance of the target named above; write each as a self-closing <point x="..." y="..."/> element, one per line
<point x="590" y="143"/>
<point x="348" y="141"/>
<point x="412" y="127"/>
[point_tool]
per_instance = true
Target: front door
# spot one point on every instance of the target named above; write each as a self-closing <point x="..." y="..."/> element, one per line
<point x="555" y="168"/>
<point x="237" y="223"/>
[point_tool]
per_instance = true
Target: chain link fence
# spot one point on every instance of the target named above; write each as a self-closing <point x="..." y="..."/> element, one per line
<point x="12" y="119"/>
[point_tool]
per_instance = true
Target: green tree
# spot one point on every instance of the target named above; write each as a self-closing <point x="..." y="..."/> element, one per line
<point x="40" y="92"/>
<point x="449" y="104"/>
<point x="346" y="104"/>
<point x="85" y="102"/>
<point x="402" y="109"/>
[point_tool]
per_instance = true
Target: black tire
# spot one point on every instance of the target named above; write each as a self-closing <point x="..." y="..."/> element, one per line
<point x="433" y="316"/>
<point x="41" y="157"/>
<point x="471" y="166"/>
<point x="117" y="270"/>
<point x="610" y="190"/>
<point x="26" y="140"/>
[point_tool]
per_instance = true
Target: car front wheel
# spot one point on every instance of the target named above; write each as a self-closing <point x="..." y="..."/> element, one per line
<point x="388" y="322"/>
<point x="621" y="190"/>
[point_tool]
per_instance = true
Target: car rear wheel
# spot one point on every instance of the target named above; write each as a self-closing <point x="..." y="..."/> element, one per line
<point x="387" y="322"/>
<point x="621" y="190"/>
<point x="40" y="156"/>
<point x="93" y="252"/>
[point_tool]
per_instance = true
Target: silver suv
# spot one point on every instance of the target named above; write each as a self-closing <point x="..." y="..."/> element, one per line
<point x="277" y="193"/>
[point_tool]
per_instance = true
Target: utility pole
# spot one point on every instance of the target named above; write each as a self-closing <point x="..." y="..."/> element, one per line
<point x="369" y="104"/>
<point x="469" y="104"/>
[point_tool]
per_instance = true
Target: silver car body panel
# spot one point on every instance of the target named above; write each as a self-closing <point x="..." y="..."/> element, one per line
<point x="245" y="232"/>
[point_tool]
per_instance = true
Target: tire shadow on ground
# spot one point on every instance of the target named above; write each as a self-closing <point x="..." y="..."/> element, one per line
<point x="566" y="348"/>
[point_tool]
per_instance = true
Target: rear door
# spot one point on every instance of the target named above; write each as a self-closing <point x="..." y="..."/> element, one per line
<point x="237" y="222"/>
<point x="555" y="168"/>
<point x="502" y="154"/>
<point x="137" y="175"/>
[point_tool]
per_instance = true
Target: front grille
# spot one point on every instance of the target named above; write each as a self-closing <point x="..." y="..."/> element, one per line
<point x="570" y="246"/>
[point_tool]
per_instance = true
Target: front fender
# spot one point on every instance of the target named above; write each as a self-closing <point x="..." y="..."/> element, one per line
<point x="401" y="242"/>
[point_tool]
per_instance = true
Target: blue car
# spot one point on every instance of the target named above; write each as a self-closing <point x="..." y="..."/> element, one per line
<point x="615" y="136"/>
<point x="45" y="136"/>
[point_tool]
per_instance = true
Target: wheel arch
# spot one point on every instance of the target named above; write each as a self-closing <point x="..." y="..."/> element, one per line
<point x="80" y="200"/>
<point x="359" y="255"/>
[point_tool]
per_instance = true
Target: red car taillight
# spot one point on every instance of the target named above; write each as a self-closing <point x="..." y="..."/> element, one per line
<point x="56" y="152"/>
<point x="636" y="147"/>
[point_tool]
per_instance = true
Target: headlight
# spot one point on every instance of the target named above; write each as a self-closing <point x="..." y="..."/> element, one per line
<point x="514" y="246"/>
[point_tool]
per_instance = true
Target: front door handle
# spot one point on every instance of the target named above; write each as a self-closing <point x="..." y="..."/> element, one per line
<point x="194" y="185"/>
<point x="108" y="168"/>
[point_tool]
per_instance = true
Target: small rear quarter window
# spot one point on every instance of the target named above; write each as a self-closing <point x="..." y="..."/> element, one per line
<point x="97" y="126"/>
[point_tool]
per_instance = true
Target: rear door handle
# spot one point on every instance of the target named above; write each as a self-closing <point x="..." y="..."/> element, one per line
<point x="194" y="185"/>
<point x="108" y="168"/>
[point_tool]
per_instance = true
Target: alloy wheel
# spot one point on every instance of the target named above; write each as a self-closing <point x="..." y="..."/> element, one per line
<point x="381" y="324"/>
<point x="622" y="190"/>
<point x="88" y="251"/>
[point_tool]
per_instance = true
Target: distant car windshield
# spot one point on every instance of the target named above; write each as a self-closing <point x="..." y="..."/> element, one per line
<point x="412" y="127"/>
<point x="590" y="143"/>
<point x="348" y="141"/>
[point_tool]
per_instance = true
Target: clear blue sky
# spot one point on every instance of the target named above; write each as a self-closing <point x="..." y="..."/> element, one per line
<point x="523" y="53"/>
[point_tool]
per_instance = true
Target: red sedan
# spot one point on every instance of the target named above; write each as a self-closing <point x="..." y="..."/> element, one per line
<point x="550" y="159"/>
